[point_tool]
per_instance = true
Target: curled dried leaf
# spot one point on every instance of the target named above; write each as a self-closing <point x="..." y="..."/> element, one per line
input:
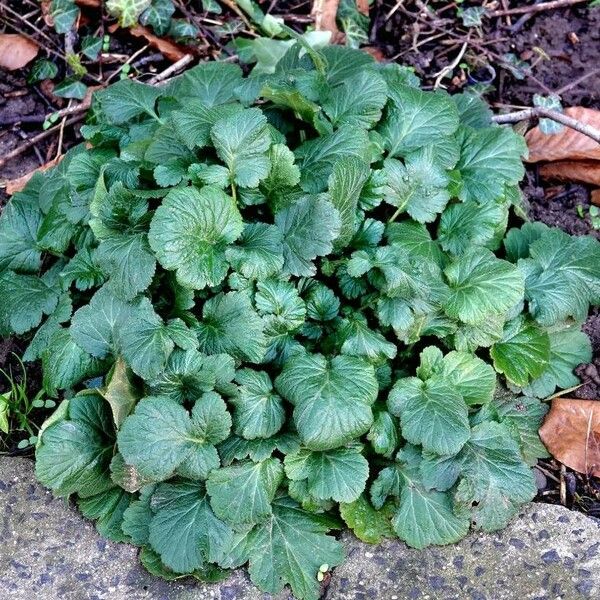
<point x="16" y="51"/>
<point x="169" y="49"/>
<point x="571" y="433"/>
<point x="568" y="144"/>
<point x="582" y="171"/>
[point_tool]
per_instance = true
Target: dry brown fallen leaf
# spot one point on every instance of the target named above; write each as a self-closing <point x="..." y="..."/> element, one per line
<point x="568" y="144"/>
<point x="16" y="51"/>
<point x="595" y="197"/>
<point x="376" y="53"/>
<point x="16" y="185"/>
<point x="571" y="432"/>
<point x="170" y="50"/>
<point x="582" y="171"/>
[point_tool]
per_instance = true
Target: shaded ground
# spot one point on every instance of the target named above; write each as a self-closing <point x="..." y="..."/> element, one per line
<point x="48" y="551"/>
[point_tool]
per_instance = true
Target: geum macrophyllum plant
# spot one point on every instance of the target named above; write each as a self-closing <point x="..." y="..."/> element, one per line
<point x="269" y="301"/>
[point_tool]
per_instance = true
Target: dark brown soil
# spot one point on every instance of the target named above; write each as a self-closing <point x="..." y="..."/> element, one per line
<point x="559" y="46"/>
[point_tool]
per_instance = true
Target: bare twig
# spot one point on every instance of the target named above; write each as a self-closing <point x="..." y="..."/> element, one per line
<point x="394" y="9"/>
<point x="174" y="68"/>
<point x="539" y="111"/>
<point x="127" y="62"/>
<point x="576" y="82"/>
<point x="81" y="108"/>
<point x="35" y="139"/>
<point x="533" y="8"/>
<point x="449" y="68"/>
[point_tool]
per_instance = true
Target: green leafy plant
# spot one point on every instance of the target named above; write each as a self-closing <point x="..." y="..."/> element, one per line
<point x="16" y="408"/>
<point x="269" y="301"/>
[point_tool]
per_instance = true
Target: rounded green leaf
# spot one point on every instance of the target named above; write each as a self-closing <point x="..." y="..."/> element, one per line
<point x="523" y="352"/>
<point x="332" y="398"/>
<point x="190" y="232"/>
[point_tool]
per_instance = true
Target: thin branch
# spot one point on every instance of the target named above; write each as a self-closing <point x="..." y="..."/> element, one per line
<point x="539" y="111"/>
<point x="534" y="8"/>
<point x="162" y="77"/>
<point x="449" y="68"/>
<point x="174" y="68"/>
<point x="35" y="139"/>
<point x="576" y="82"/>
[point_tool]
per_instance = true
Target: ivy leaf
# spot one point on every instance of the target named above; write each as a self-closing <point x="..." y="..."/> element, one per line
<point x="190" y="231"/>
<point x="309" y="228"/>
<point x="432" y="413"/>
<point x="339" y="474"/>
<point x="332" y="398"/>
<point x="523" y="352"/>
<point x="288" y="548"/>
<point x="127" y="11"/>
<point x="495" y="479"/>
<point x="418" y="186"/>
<point x="242" y="494"/>
<point x="481" y="286"/>
<point x="75" y="451"/>
<point x="569" y="347"/>
<point x="259" y="251"/>
<point x="184" y="530"/>
<point x="242" y="141"/>
<point x="158" y="16"/>
<point x="317" y="157"/>
<point x="64" y="13"/>
<point x="231" y="326"/>
<point x="259" y="412"/>
<point x="415" y="119"/>
<point x="70" y="87"/>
